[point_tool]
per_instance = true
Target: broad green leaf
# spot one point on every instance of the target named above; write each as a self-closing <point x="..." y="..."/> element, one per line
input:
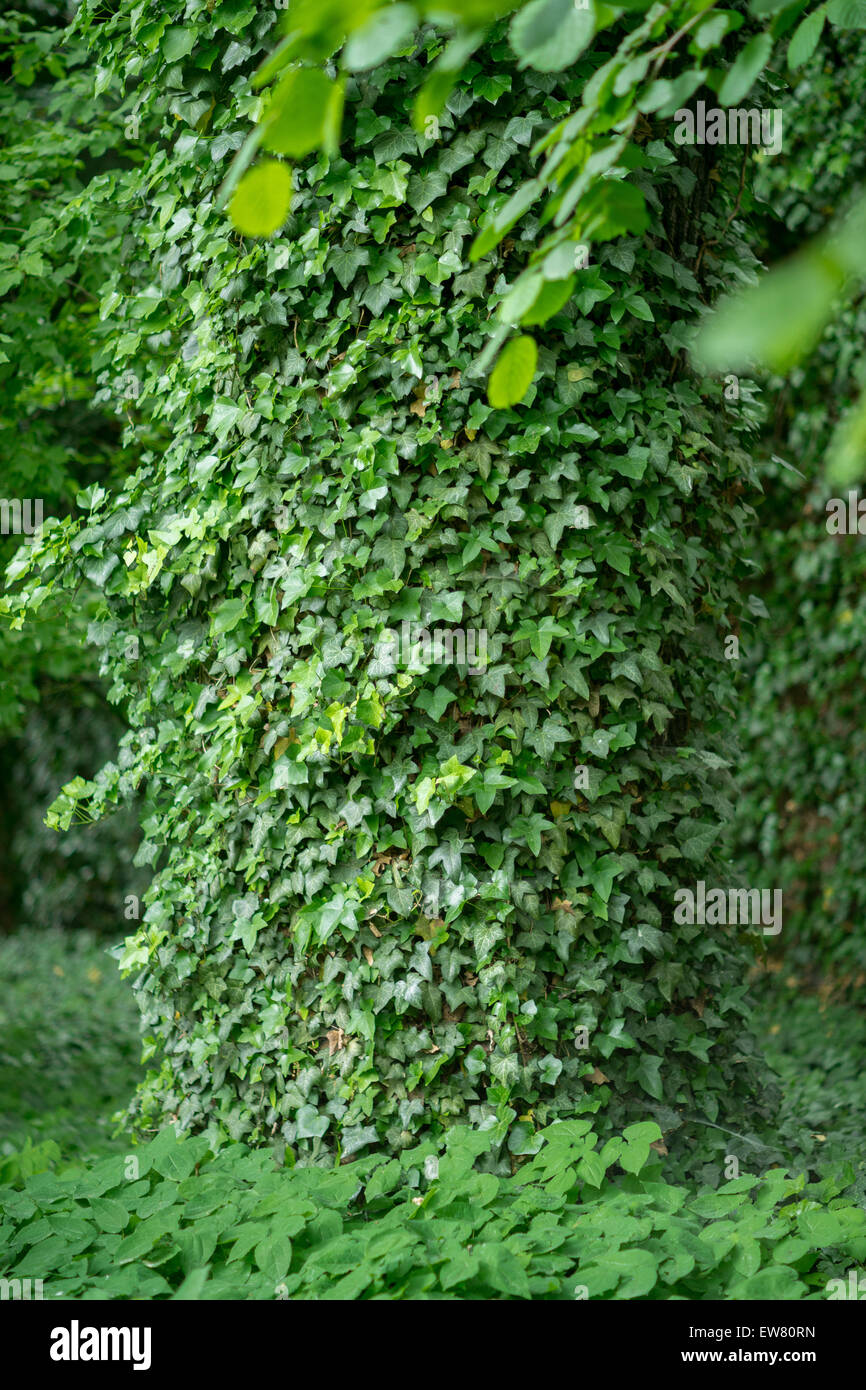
<point x="261" y="201"/>
<point x="847" y="14"/>
<point x="805" y="37"/>
<point x="553" y="296"/>
<point x="110" y="1215"/>
<point x="273" y="1255"/>
<point x="386" y="32"/>
<point x="648" y="1075"/>
<point x="846" y="463"/>
<point x="750" y="63"/>
<point x="177" y="42"/>
<point x="304" y="114"/>
<point x="777" y="1282"/>
<point x="775" y="323"/>
<point x="549" y="35"/>
<point x="513" y="373"/>
<point x="612" y="208"/>
<point x="228" y="615"/>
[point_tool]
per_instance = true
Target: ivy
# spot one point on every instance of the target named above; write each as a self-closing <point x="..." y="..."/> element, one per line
<point x="171" y="1220"/>
<point x="399" y="885"/>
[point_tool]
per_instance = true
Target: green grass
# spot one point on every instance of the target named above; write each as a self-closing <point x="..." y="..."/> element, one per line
<point x="69" y="1044"/>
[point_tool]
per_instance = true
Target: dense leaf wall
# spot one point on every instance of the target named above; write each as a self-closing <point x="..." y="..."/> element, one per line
<point x="380" y="902"/>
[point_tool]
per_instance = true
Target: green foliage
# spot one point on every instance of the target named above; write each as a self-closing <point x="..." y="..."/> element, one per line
<point x="511" y="377"/>
<point x="86" y="878"/>
<point x="262" y="199"/>
<point x="802" y="801"/>
<point x="799" y="822"/>
<point x="780" y="320"/>
<point x="815" y="1046"/>
<point x="380" y="902"/>
<point x="582" y="145"/>
<point x="387" y="922"/>
<point x="574" y="1221"/>
<point x="56" y="436"/>
<point x="68" y="1045"/>
<point x="777" y="324"/>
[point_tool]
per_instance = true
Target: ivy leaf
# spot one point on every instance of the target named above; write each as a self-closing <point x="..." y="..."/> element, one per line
<point x="346" y="263"/>
<point x="696" y="838"/>
<point x="435" y="702"/>
<point x="439" y="85"/>
<point x="227" y="616"/>
<point x="311" y="1125"/>
<point x="647" y="1074"/>
<point x="177" y="42"/>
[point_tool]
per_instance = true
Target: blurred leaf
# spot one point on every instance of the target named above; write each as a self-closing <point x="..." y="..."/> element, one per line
<point x="304" y="114"/>
<point x="774" y="323"/>
<point x="846" y="462"/>
<point x="262" y="199"/>
<point x="804" y="39"/>
<point x="739" y="79"/>
<point x="514" y="370"/>
<point x="549" y="35"/>
<point x="386" y="32"/>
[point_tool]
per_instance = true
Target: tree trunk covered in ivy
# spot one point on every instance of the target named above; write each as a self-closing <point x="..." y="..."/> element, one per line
<point x="391" y="894"/>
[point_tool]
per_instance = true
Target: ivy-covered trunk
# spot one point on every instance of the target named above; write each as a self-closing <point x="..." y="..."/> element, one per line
<point x="431" y="700"/>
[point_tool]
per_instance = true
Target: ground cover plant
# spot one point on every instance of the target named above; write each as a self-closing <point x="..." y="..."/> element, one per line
<point x="172" y="1221"/>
